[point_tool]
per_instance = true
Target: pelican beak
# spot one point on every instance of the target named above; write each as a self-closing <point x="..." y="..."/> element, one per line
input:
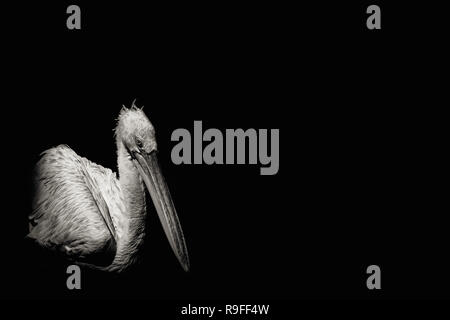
<point x="150" y="171"/>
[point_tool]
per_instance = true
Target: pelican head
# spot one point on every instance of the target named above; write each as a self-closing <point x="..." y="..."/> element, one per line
<point x="135" y="131"/>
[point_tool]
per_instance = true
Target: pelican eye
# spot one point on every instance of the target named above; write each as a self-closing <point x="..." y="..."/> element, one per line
<point x="139" y="143"/>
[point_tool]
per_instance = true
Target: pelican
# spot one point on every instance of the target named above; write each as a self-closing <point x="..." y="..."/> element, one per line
<point x="83" y="211"/>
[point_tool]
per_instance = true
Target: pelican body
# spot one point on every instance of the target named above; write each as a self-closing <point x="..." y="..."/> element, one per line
<point x="85" y="212"/>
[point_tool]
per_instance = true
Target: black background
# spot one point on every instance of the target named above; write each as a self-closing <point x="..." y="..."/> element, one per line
<point x="359" y="180"/>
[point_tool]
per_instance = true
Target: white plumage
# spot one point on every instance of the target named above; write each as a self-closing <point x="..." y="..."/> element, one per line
<point x="83" y="211"/>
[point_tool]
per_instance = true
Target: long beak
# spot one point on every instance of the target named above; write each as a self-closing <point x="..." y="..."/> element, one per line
<point x="150" y="171"/>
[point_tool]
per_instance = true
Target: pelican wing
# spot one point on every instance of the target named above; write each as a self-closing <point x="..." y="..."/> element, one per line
<point x="102" y="206"/>
<point x="70" y="214"/>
